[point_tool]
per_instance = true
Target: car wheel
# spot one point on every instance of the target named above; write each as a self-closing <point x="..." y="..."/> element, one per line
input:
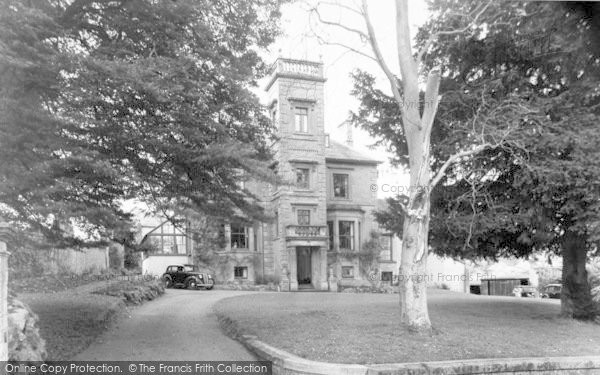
<point x="191" y="284"/>
<point x="168" y="283"/>
<point x="211" y="284"/>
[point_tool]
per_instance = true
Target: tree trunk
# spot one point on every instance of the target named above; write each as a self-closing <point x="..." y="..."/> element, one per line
<point x="575" y="299"/>
<point x="417" y="130"/>
<point x="413" y="272"/>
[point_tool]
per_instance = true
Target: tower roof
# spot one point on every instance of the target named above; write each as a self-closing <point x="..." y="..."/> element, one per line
<point x="296" y="69"/>
<point x="339" y="153"/>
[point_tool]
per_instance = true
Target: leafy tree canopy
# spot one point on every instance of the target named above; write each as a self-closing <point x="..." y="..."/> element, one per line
<point x="103" y="101"/>
<point x="524" y="79"/>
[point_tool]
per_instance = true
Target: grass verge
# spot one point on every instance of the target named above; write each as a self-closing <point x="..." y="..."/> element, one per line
<point x="365" y="328"/>
<point x="70" y="320"/>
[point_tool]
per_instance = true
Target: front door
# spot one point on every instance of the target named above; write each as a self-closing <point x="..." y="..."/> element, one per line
<point x="303" y="265"/>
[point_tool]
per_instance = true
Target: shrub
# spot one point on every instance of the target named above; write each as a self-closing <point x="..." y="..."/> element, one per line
<point x="115" y="257"/>
<point x="134" y="292"/>
<point x="267" y="279"/>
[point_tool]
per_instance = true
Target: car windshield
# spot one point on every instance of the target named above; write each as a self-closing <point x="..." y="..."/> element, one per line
<point x="190" y="268"/>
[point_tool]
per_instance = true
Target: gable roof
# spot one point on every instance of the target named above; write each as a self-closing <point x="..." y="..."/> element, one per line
<point x="339" y="153"/>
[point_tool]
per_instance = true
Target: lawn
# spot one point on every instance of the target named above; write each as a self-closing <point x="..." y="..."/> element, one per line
<point x="70" y="322"/>
<point x="365" y="328"/>
<point x="71" y="319"/>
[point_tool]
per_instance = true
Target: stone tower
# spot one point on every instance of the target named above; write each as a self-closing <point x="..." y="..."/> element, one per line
<point x="296" y="102"/>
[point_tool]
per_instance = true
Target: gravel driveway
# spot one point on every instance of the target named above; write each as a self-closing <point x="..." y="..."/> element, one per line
<point x="180" y="325"/>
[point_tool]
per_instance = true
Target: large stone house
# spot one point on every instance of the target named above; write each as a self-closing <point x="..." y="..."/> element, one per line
<point x="323" y="216"/>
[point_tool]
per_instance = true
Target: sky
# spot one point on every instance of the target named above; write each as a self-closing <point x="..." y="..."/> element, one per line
<point x="299" y="42"/>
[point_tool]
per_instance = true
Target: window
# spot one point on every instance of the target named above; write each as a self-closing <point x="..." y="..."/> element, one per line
<point x="386" y="246"/>
<point x="274" y="117"/>
<point x="330" y="229"/>
<point x="241" y="185"/>
<point x="303" y="217"/>
<point x="348" y="272"/>
<point x="255" y="237"/>
<point x="359" y="237"/>
<point x="346" y="235"/>
<point x="302" y="175"/>
<point x="386" y="276"/>
<point x="240" y="272"/>
<point x="168" y="239"/>
<point x="301" y="120"/>
<point x="239" y="238"/>
<point x="276" y="225"/>
<point x="222" y="237"/>
<point x="340" y="185"/>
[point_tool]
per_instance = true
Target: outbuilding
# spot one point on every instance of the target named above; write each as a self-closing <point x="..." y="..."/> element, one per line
<point x="501" y="286"/>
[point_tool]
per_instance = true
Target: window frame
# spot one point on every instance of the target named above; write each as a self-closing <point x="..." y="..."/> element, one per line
<point x="244" y="232"/>
<point x="307" y="215"/>
<point x="350" y="275"/>
<point x="346" y="187"/>
<point x="301" y="112"/>
<point x="306" y="184"/>
<point x="244" y="272"/>
<point x="169" y="235"/>
<point x="330" y="226"/>
<point x="350" y="236"/>
<point x="390" y="237"/>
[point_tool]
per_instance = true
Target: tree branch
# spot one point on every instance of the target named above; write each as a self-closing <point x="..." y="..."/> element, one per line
<point x="340" y="5"/>
<point x="360" y="33"/>
<point x="394" y="81"/>
<point x="433" y="36"/>
<point x="359" y="52"/>
<point x="453" y="159"/>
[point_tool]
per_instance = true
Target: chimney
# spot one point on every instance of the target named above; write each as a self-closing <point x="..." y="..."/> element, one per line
<point x="349" y="140"/>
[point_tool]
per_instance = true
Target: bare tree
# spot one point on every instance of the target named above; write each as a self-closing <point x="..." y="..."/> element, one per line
<point x="417" y="130"/>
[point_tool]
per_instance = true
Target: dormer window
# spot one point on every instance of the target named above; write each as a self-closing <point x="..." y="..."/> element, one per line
<point x="301" y="120"/>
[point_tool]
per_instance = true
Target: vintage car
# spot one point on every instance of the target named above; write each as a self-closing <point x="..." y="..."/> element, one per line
<point x="187" y="276"/>
<point x="551" y="291"/>
<point x="525" y="291"/>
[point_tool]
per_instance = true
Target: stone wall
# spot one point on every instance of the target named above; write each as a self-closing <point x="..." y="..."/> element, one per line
<point x="25" y="262"/>
<point x="24" y="340"/>
<point x="223" y="267"/>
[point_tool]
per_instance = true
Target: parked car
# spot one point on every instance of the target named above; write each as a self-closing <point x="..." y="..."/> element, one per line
<point x="526" y="291"/>
<point x="187" y="276"/>
<point x="552" y="291"/>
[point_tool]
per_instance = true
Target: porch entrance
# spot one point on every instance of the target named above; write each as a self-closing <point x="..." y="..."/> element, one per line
<point x="304" y="266"/>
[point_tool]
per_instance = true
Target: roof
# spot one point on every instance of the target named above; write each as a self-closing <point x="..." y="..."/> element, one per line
<point x="337" y="152"/>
